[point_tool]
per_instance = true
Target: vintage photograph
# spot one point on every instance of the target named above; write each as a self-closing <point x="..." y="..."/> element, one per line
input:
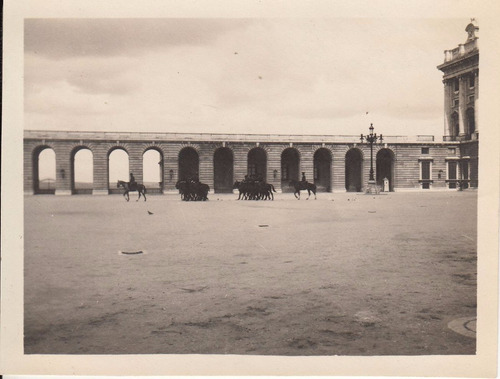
<point x="251" y="186"/>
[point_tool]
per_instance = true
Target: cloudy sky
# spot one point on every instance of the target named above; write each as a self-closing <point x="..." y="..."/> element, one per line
<point x="275" y="75"/>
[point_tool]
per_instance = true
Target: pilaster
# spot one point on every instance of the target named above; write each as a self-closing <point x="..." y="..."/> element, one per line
<point x="462" y="104"/>
<point x="476" y="100"/>
<point x="448" y="94"/>
<point x="207" y="165"/>
<point x="63" y="170"/>
<point x="100" y="163"/>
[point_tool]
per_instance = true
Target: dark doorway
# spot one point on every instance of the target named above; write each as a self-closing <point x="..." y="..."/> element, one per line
<point x="385" y="168"/>
<point x="223" y="170"/>
<point x="257" y="163"/>
<point x="189" y="164"/>
<point x="322" y="170"/>
<point x="290" y="167"/>
<point x="353" y="170"/>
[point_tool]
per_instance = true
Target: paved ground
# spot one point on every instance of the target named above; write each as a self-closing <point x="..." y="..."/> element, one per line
<point x="347" y="274"/>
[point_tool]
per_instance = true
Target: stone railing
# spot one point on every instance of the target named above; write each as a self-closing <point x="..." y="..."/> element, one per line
<point x="461" y="50"/>
<point x="211" y="137"/>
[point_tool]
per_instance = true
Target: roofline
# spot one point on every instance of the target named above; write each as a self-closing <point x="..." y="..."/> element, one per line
<point x="214" y="137"/>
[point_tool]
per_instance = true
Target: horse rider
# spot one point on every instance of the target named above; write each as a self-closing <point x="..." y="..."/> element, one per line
<point x="303" y="180"/>
<point x="132" y="183"/>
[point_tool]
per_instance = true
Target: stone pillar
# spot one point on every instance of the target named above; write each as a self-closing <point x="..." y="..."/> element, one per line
<point x="135" y="160"/>
<point x="171" y="166"/>
<point x="338" y="168"/>
<point x="365" y="166"/>
<point x="462" y="104"/>
<point x="448" y="94"/>
<point x="206" y="170"/>
<point x="240" y="157"/>
<point x="63" y="170"/>
<point x="100" y="163"/>
<point x="307" y="162"/>
<point x="274" y="164"/>
<point x="28" y="169"/>
<point x="476" y="100"/>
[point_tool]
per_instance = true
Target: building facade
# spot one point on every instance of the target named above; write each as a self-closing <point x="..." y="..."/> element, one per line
<point x="333" y="163"/>
<point x="461" y="105"/>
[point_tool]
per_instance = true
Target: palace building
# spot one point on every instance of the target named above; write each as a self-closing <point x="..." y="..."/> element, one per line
<point x="335" y="163"/>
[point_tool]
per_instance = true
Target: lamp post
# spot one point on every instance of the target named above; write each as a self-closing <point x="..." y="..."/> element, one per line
<point x="371" y="139"/>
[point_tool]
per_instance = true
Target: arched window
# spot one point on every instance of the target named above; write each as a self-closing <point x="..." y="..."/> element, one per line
<point x="471" y="125"/>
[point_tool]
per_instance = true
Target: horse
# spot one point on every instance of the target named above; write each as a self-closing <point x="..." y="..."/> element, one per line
<point x="140" y="188"/>
<point x="299" y="186"/>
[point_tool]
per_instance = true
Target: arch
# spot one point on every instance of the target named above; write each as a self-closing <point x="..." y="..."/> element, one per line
<point x="471" y="124"/>
<point x="223" y="170"/>
<point x="152" y="169"/>
<point x="118" y="168"/>
<point x="82" y="170"/>
<point x="455" y="127"/>
<point x="290" y="167"/>
<point x="257" y="163"/>
<point x="354" y="170"/>
<point x="385" y="167"/>
<point x="189" y="163"/>
<point x="322" y="169"/>
<point x="44" y="170"/>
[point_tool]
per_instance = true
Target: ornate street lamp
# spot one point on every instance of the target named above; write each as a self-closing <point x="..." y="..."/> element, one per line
<point x="371" y="139"/>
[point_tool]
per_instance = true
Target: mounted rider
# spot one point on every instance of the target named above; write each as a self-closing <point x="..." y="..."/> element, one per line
<point x="132" y="184"/>
<point x="303" y="180"/>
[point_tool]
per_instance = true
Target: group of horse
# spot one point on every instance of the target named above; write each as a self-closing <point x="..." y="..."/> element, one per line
<point x="254" y="190"/>
<point x="191" y="190"/>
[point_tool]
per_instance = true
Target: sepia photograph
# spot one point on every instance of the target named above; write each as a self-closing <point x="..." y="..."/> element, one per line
<point x="252" y="186"/>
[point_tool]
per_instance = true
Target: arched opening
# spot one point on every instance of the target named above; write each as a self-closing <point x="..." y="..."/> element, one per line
<point x="189" y="164"/>
<point x="290" y="167"/>
<point x="44" y="171"/>
<point x="257" y="163"/>
<point x="455" y="128"/>
<point x="152" y="170"/>
<point x="323" y="169"/>
<point x="385" y="168"/>
<point x="471" y="124"/>
<point x="118" y="169"/>
<point x="82" y="171"/>
<point x="223" y="170"/>
<point x="353" y="170"/>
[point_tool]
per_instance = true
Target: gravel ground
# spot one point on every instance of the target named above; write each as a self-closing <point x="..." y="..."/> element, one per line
<point x="346" y="274"/>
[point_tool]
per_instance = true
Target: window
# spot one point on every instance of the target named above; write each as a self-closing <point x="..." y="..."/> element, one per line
<point x="455" y="85"/>
<point x="452" y="174"/>
<point x="425" y="150"/>
<point x="472" y="81"/>
<point x="471" y="99"/>
<point x="426" y="173"/>
<point x="426" y="170"/>
<point x="455" y="102"/>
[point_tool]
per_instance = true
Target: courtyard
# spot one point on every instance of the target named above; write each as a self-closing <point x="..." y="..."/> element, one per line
<point x="346" y="274"/>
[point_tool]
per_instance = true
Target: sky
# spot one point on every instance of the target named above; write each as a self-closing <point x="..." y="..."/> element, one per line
<point x="260" y="75"/>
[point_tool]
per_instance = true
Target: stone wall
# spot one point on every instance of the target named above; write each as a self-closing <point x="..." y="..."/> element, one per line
<point x="405" y="173"/>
